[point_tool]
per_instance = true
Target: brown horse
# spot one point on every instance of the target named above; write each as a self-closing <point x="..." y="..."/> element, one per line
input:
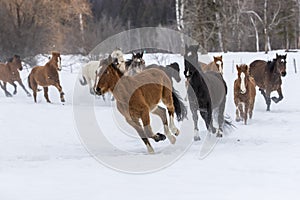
<point x="216" y="65"/>
<point x="45" y="76"/>
<point x="136" y="96"/>
<point x="9" y="74"/>
<point x="267" y="76"/>
<point x="244" y="93"/>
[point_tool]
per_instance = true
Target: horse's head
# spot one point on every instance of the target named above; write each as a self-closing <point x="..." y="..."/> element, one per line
<point x="190" y="60"/>
<point x="107" y="76"/>
<point x="138" y="58"/>
<point x="56" y="60"/>
<point x="175" y="71"/>
<point x="219" y="63"/>
<point x="281" y="64"/>
<point x="243" y="77"/>
<point x="16" y="62"/>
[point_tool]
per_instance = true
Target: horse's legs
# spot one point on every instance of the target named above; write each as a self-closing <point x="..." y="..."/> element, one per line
<point x="46" y="94"/>
<point x="268" y="99"/>
<point x="15" y="87"/>
<point x="7" y="94"/>
<point x="167" y="99"/>
<point x="136" y="125"/>
<point x="275" y="99"/>
<point x="91" y="87"/>
<point x="246" y="112"/>
<point x="21" y="84"/>
<point x="161" y="112"/>
<point x="58" y="86"/>
<point x="147" y="128"/>
<point x="221" y="117"/>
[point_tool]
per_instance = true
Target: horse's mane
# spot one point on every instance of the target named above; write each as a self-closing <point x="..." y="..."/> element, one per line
<point x="271" y="65"/>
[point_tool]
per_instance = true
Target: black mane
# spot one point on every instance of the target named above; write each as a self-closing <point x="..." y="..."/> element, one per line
<point x="271" y="65"/>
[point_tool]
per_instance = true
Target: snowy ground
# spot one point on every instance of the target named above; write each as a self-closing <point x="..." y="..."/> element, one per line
<point x="42" y="157"/>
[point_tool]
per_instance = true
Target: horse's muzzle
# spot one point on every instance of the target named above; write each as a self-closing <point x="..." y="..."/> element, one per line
<point x="98" y="91"/>
<point x="283" y="74"/>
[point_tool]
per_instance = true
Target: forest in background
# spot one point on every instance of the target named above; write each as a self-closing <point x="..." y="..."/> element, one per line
<point x="30" y="27"/>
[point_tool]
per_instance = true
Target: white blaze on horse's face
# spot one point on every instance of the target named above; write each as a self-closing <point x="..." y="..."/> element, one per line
<point x="189" y="53"/>
<point x="97" y="77"/>
<point x="282" y="60"/>
<point x="243" y="86"/>
<point x="219" y="63"/>
<point x="59" y="64"/>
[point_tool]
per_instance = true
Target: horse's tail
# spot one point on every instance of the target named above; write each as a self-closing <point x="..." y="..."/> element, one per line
<point x="180" y="108"/>
<point x="29" y="84"/>
<point x="83" y="82"/>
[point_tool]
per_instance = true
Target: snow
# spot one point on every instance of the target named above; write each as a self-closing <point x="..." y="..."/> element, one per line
<point x="43" y="154"/>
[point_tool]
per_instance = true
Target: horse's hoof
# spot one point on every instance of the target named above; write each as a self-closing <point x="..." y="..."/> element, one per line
<point x="28" y="94"/>
<point x="63" y="100"/>
<point x="197" y="138"/>
<point x="15" y="93"/>
<point x="275" y="99"/>
<point x="172" y="139"/>
<point x="213" y="130"/>
<point x="177" y="132"/>
<point x="8" y="95"/>
<point x="237" y="119"/>
<point x="159" y="137"/>
<point x="219" y="135"/>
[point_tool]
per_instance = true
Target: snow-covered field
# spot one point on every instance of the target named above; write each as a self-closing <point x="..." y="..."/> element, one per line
<point x="42" y="155"/>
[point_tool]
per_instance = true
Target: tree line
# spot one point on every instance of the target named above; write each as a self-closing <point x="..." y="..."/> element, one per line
<point x="29" y="27"/>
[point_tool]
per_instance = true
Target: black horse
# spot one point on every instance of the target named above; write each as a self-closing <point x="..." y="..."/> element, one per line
<point x="267" y="76"/>
<point x="206" y="93"/>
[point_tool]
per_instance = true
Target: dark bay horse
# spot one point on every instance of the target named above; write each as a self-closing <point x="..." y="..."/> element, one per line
<point x="9" y="74"/>
<point x="244" y="93"/>
<point x="46" y="76"/>
<point x="206" y="93"/>
<point x="267" y="76"/>
<point x="136" y="96"/>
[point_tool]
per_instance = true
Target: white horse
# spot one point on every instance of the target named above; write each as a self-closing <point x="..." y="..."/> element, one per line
<point x="89" y="71"/>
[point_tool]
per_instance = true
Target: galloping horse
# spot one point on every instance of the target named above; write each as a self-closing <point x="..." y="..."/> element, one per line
<point x="267" y="76"/>
<point x="9" y="74"/>
<point x="136" y="96"/>
<point x="135" y="65"/>
<point x="206" y="93"/>
<point x="45" y="76"/>
<point x="244" y="93"/>
<point x="216" y="65"/>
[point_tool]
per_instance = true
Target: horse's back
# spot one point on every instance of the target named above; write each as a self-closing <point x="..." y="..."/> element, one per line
<point x="257" y="71"/>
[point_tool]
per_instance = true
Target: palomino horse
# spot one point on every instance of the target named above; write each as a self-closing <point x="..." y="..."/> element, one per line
<point x="267" y="76"/>
<point x="244" y="93"/>
<point x="136" y="96"/>
<point x="45" y="76"/>
<point x="206" y="93"/>
<point x="216" y="65"/>
<point x="9" y="74"/>
<point x="135" y="65"/>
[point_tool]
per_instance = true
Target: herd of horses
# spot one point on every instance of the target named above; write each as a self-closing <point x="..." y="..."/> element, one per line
<point x="141" y="89"/>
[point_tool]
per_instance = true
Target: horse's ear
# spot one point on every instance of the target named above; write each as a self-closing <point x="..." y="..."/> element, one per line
<point x="276" y="55"/>
<point x="133" y="54"/>
<point x="142" y="54"/>
<point x="109" y="59"/>
<point x="237" y="67"/>
<point x="285" y="56"/>
<point x="221" y="56"/>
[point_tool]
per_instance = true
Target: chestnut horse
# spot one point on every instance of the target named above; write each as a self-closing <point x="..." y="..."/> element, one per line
<point x="267" y="76"/>
<point x="244" y="93"/>
<point x="136" y="96"/>
<point x="45" y="76"/>
<point x="9" y="74"/>
<point x="216" y="65"/>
